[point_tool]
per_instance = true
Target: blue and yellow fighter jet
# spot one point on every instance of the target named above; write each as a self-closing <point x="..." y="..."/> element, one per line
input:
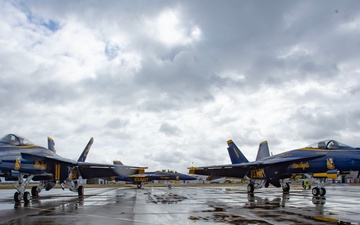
<point x="142" y="178"/>
<point x="21" y="161"/>
<point x="319" y="162"/>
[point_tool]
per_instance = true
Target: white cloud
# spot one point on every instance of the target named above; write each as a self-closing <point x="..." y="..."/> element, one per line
<point x="178" y="80"/>
<point x="168" y="28"/>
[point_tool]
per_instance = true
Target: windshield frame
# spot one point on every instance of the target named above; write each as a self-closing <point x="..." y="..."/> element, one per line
<point x="15" y="140"/>
<point x="329" y="144"/>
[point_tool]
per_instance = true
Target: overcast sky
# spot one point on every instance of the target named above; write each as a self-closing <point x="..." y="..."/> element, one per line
<point x="165" y="84"/>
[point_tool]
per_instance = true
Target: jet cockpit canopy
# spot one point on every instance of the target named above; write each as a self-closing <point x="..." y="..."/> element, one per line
<point x="329" y="144"/>
<point x="15" y="140"/>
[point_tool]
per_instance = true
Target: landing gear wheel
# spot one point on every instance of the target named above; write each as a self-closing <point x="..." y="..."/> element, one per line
<point x="267" y="184"/>
<point x="27" y="197"/>
<point x="286" y="188"/>
<point x="250" y="188"/>
<point x="322" y="192"/>
<point x="17" y="197"/>
<point x="139" y="186"/>
<point x="169" y="186"/>
<point x="315" y="191"/>
<point x="80" y="190"/>
<point x="34" y="191"/>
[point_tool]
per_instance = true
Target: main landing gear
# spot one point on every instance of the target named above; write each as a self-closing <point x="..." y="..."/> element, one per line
<point x="252" y="186"/>
<point x="73" y="185"/>
<point x="286" y="187"/>
<point x="22" y="194"/>
<point x="319" y="189"/>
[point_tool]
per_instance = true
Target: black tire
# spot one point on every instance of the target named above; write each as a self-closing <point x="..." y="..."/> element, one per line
<point x="80" y="190"/>
<point x="250" y="188"/>
<point x="322" y="191"/>
<point x="17" y="197"/>
<point x="27" y="197"/>
<point x="139" y="185"/>
<point x="34" y="191"/>
<point x="315" y="191"/>
<point x="267" y="184"/>
<point x="286" y="188"/>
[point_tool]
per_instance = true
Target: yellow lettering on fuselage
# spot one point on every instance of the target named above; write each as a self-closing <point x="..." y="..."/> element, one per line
<point x="258" y="173"/>
<point x="40" y="165"/>
<point x="141" y="179"/>
<point x="300" y="165"/>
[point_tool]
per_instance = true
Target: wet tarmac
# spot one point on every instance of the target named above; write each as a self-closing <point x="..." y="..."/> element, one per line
<point x="184" y="205"/>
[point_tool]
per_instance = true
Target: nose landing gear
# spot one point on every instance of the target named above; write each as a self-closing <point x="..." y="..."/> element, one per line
<point x="21" y="187"/>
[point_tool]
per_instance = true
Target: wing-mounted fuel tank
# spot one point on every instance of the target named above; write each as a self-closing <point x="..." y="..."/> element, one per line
<point x="330" y="174"/>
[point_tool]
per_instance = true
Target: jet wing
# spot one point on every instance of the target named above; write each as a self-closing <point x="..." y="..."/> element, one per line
<point x="240" y="170"/>
<point x="289" y="160"/>
<point x="217" y="171"/>
<point x="277" y="160"/>
<point x="96" y="170"/>
<point x="96" y="165"/>
<point x="87" y="170"/>
<point x="40" y="157"/>
<point x="150" y="176"/>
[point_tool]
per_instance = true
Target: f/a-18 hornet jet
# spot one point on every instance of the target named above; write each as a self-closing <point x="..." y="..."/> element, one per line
<point x="320" y="161"/>
<point x="22" y="161"/>
<point x="142" y="178"/>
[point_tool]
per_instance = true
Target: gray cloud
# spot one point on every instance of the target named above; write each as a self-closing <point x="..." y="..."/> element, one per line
<point x="169" y="130"/>
<point x="199" y="72"/>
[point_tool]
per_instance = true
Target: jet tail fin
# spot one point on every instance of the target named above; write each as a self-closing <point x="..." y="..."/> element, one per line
<point x="84" y="154"/>
<point x="235" y="154"/>
<point x="51" y="145"/>
<point x="263" y="151"/>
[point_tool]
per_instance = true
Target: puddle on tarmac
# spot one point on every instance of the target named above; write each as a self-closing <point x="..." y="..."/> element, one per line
<point x="167" y="198"/>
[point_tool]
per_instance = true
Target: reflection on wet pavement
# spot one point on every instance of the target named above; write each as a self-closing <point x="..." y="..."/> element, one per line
<point x="184" y="205"/>
<point x="165" y="198"/>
